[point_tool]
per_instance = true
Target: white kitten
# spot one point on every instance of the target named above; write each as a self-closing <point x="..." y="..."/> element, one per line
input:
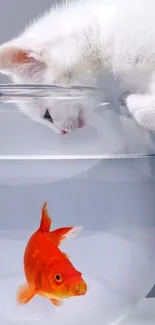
<point x="87" y="42"/>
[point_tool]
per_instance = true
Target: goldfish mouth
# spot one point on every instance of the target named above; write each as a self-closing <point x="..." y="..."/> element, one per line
<point x="79" y="289"/>
<point x="76" y="290"/>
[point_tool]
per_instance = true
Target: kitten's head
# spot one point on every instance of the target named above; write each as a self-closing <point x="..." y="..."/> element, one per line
<point x="24" y="62"/>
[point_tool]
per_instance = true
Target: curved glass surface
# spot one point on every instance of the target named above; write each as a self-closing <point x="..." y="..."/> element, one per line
<point x="113" y="200"/>
<point x="95" y="166"/>
<point x="52" y="120"/>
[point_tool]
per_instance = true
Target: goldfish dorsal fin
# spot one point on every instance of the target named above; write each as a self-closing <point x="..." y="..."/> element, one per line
<point x="60" y="234"/>
<point x="45" y="223"/>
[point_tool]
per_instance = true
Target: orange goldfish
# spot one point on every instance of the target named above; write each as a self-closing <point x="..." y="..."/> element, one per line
<point x="48" y="271"/>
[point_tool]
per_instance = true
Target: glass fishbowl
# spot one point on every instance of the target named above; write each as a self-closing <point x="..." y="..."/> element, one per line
<point x="81" y="121"/>
<point x="95" y="168"/>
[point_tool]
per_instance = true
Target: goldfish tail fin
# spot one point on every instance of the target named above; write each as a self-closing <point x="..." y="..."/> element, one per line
<point x="25" y="293"/>
<point x="45" y="222"/>
<point x="58" y="235"/>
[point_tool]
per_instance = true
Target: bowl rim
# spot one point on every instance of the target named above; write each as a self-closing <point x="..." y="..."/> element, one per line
<point x="12" y="91"/>
<point x="48" y="87"/>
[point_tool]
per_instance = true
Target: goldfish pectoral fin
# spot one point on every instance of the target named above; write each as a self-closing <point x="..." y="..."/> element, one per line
<point x="45" y="223"/>
<point x="56" y="302"/>
<point x="60" y="234"/>
<point x="25" y="293"/>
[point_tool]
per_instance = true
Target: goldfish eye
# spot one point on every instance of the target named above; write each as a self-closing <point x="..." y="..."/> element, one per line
<point x="58" y="278"/>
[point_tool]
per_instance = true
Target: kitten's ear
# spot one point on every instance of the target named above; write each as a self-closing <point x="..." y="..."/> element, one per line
<point x="24" y="63"/>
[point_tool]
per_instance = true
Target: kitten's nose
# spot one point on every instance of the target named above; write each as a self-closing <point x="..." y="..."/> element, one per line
<point x="63" y="132"/>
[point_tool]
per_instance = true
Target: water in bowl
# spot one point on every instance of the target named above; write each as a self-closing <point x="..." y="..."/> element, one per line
<point x="113" y="268"/>
<point x="52" y="120"/>
<point x="114" y="201"/>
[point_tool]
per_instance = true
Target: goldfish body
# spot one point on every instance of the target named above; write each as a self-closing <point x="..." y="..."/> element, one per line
<point x="48" y="271"/>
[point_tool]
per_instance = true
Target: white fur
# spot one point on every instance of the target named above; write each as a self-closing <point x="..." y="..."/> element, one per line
<point x="85" y="41"/>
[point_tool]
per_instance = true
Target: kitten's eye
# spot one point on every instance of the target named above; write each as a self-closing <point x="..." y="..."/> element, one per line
<point x="58" y="278"/>
<point x="48" y="117"/>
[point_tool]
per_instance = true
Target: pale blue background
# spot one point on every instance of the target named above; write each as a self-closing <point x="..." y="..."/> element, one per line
<point x="14" y="15"/>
